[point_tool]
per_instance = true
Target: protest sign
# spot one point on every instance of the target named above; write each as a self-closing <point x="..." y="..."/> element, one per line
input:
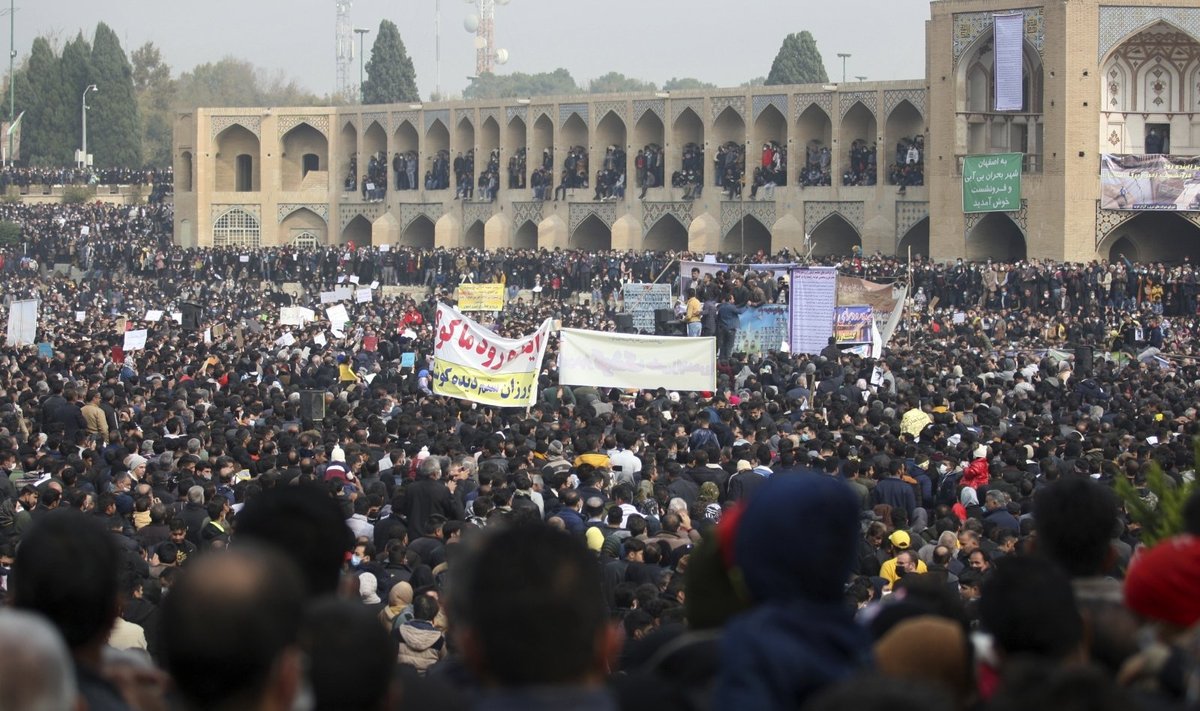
<point x="362" y="296"/>
<point x="852" y="324"/>
<point x="472" y="363"/>
<point x="480" y="297"/>
<point x="813" y="297"/>
<point x="135" y="340"/>
<point x="761" y="329"/>
<point x="622" y="360"/>
<point x="642" y="300"/>
<point x="22" y="322"/>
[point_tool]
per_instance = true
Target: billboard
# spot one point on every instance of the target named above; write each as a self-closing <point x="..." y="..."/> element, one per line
<point x="1149" y="182"/>
<point x="992" y="183"/>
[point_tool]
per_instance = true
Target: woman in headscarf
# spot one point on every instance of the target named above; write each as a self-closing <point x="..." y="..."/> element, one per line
<point x="399" y="607"/>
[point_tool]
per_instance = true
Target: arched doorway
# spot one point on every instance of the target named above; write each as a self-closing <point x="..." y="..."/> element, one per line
<point x="418" y="234"/>
<point x="237" y="163"/>
<point x="858" y="142"/>
<point x="917" y="238"/>
<point x="183" y="174"/>
<point x="997" y="237"/>
<point x="406" y="143"/>
<point x="302" y="222"/>
<point x="610" y="136"/>
<point x="302" y="150"/>
<point x="526" y="236"/>
<point x="668" y="234"/>
<point x="357" y="231"/>
<point x="236" y="228"/>
<point x="348" y="168"/>
<point x="689" y="136"/>
<point x="834" y="237"/>
<point x="437" y="146"/>
<point x="747" y="236"/>
<point x="592" y="235"/>
<point x="541" y="147"/>
<point x="729" y="131"/>
<point x="1153" y="237"/>
<point x="473" y="237"/>
<point x="814" y="131"/>
<point x="374" y="144"/>
<point x="1149" y="78"/>
<point x="770" y="129"/>
<point x="905" y="130"/>
<point x="489" y="140"/>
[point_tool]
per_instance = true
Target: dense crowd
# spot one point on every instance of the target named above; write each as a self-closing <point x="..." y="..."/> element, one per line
<point x="909" y="168"/>
<point x="610" y="179"/>
<point x="729" y="168"/>
<point x="933" y="529"/>
<point x="517" y="170"/>
<point x="438" y="175"/>
<point x="25" y="177"/>
<point x="862" y="167"/>
<point x="405" y="166"/>
<point x="817" y="170"/>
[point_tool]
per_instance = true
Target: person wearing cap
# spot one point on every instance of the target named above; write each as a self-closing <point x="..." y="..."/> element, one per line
<point x="904" y="562"/>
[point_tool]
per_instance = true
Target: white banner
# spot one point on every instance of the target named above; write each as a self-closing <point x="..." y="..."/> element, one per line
<point x="619" y="360"/>
<point x="1009" y="36"/>
<point x="22" y="322"/>
<point x="812" y="300"/>
<point x="472" y="363"/>
<point x="135" y="340"/>
<point x="295" y="315"/>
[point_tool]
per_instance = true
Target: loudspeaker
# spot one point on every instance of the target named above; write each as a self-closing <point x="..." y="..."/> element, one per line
<point x="191" y="315"/>
<point x="1083" y="360"/>
<point x="624" y="323"/>
<point x="312" y="405"/>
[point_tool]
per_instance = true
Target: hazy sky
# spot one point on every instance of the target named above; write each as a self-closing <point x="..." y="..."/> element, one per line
<point x="725" y="43"/>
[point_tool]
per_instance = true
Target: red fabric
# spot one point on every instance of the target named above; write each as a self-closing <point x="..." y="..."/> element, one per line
<point x="1163" y="583"/>
<point x="976" y="474"/>
<point x="960" y="511"/>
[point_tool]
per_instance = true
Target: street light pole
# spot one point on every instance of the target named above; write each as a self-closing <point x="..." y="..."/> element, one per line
<point x="12" y="85"/>
<point x="361" y="35"/>
<point x="83" y="158"/>
<point x="844" y="56"/>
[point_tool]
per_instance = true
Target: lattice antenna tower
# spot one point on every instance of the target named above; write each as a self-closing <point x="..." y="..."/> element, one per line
<point x="483" y="23"/>
<point x="344" y="50"/>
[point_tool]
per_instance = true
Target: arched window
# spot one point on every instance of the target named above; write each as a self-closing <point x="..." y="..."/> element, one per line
<point x="236" y="228"/>
<point x="306" y="240"/>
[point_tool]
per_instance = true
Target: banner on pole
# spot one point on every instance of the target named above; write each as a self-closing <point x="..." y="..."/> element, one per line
<point x="1149" y="182"/>
<point x="761" y="329"/>
<point x="1008" y="41"/>
<point x="853" y="324"/>
<point x="622" y="360"/>
<point x="480" y="297"/>
<point x="472" y="363"/>
<point x="886" y="302"/>
<point x="813" y="298"/>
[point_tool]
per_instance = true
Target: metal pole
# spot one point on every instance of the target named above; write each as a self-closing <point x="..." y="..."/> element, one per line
<point x="844" y="56"/>
<point x="362" y="33"/>
<point x="437" y="48"/>
<point x="12" y="85"/>
<point x="83" y="159"/>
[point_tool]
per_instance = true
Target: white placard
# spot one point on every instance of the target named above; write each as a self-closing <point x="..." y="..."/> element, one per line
<point x="385" y="248"/>
<point x="338" y="316"/>
<point x="374" y="285"/>
<point x="354" y="279"/>
<point x="244" y="259"/>
<point x="329" y="297"/>
<point x="362" y="296"/>
<point x="80" y="316"/>
<point x="285" y="340"/>
<point x="319" y="339"/>
<point x="135" y="340"/>
<point x="154" y="315"/>
<point x="22" y="322"/>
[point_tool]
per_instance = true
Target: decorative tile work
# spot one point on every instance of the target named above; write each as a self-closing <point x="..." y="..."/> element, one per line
<point x="718" y="104"/>
<point x="253" y="209"/>
<point x="412" y="117"/>
<point x="893" y="97"/>
<point x="652" y="212"/>
<point x="253" y="124"/>
<point x="868" y="99"/>
<point x="603" y="107"/>
<point x="679" y="105"/>
<point x="380" y="117"/>
<point x="817" y="211"/>
<point x="371" y="210"/>
<point x="461" y="115"/>
<point x="512" y="112"/>
<point x="1119" y="22"/>
<point x="760" y="102"/>
<point x="657" y="106"/>
<point x="473" y="212"/>
<point x="536" y="112"/>
<point x="823" y="100"/>
<point x="606" y="211"/>
<point x="287" y="123"/>
<point x="527" y="211"/>
<point x="1019" y="217"/>
<point x="732" y="211"/>
<point x="432" y="115"/>
<point x="909" y="213"/>
<point x="969" y="26"/>
<point x="410" y="211"/>
<point x="320" y="208"/>
<point x="490" y="113"/>
<point x="565" y="111"/>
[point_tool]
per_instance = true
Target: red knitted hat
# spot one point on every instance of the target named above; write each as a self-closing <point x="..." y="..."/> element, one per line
<point x="1164" y="582"/>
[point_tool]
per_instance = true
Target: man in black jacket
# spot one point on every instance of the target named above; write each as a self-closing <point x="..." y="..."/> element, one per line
<point x="428" y="495"/>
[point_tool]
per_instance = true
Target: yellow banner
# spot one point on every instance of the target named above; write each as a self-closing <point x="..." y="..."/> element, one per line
<point x="480" y="297"/>
<point x="496" y="389"/>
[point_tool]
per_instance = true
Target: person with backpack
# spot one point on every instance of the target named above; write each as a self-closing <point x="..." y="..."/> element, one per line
<point x="421" y="644"/>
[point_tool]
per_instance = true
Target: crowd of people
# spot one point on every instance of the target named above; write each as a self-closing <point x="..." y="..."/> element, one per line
<point x="25" y="177"/>
<point x="574" y="171"/>
<point x="936" y="528"/>
<point x="909" y="168"/>
<point x="817" y="170"/>
<point x="610" y="179"/>
<point x="729" y="167"/>
<point x="375" y="180"/>
<point x="649" y="167"/>
<point x="438" y="175"/>
<point x="862" y="167"/>
<point x="404" y="167"/>
<point x="517" y="170"/>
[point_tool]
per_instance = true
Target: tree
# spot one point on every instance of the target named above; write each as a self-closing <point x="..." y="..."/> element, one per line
<point x="236" y="82"/>
<point x="155" y="91"/>
<point x="115" y="131"/>
<point x="390" y="74"/>
<point x="686" y="84"/>
<point x="798" y="62"/>
<point x="618" y="83"/>
<point x="46" y="128"/>
<point x="518" y="84"/>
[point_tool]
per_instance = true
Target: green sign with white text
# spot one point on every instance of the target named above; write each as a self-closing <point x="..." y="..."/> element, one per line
<point x="992" y="183"/>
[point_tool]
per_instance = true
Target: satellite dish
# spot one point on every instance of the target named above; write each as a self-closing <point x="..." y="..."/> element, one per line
<point x="501" y="56"/>
<point x="471" y="22"/>
<point x="480" y="42"/>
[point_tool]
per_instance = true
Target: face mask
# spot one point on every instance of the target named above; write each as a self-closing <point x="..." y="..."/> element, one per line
<point x="942" y="469"/>
<point x="355" y="561"/>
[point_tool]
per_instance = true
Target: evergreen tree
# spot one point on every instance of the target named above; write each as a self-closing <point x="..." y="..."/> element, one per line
<point x="798" y="62"/>
<point x="45" y="130"/>
<point x="76" y="74"/>
<point x="506" y="86"/>
<point x="618" y="83"/>
<point x="114" y="129"/>
<point x="390" y="74"/>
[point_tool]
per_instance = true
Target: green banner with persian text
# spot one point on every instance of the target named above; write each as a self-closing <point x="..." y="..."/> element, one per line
<point x="992" y="183"/>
